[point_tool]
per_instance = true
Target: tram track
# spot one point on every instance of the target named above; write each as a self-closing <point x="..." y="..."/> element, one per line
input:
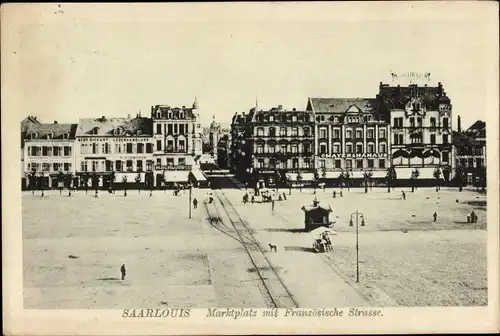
<point x="278" y="293"/>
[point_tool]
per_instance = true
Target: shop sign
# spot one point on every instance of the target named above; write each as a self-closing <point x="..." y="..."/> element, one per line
<point x="355" y="155"/>
<point x="178" y="167"/>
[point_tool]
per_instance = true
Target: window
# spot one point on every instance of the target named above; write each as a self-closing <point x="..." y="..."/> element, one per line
<point x="271" y="118"/>
<point x="401" y="139"/>
<point x="322" y="133"/>
<point x="470" y="162"/>
<point x="370" y="133"/>
<point x="446" y="156"/>
<point x="322" y="149"/>
<point x="158" y="128"/>
<point x="139" y="165"/>
<point x="129" y="165"/>
<point x="170" y="145"/>
<point x="57" y="166"/>
<point x="294" y="148"/>
<point x="419" y="122"/>
<point x="433" y="122"/>
<point x="322" y="163"/>
<point x="396" y="139"/>
<point x="95" y="165"/>
<point x="359" y="148"/>
<point x="349" y="148"/>
<point x="45" y="167"/>
<point x="336" y="133"/>
<point x="55" y="151"/>
<point x="348" y="164"/>
<point x="109" y="165"/>
<point x="382" y="147"/>
<point x="149" y="148"/>
<point x="271" y="148"/>
<point x="478" y="163"/>
<point x="295" y="131"/>
<point x="95" y="148"/>
<point x="412" y="122"/>
<point x="337" y="163"/>
<point x="336" y="148"/>
<point x="306" y="148"/>
<point x="283" y="131"/>
<point x="445" y="138"/>
<point x="169" y="129"/>
<point x="359" y="134"/>
<point x="181" y="145"/>
<point x="67" y="151"/>
<point x="295" y="163"/>
<point x="83" y="166"/>
<point x="260" y="163"/>
<point x="260" y="149"/>
<point x="106" y="148"/>
<point x="382" y="133"/>
<point x="175" y="128"/>
<point x="370" y="163"/>
<point x="158" y="145"/>
<point x="307" y="131"/>
<point x="67" y="167"/>
<point x="433" y="138"/>
<point x="129" y="148"/>
<point x="45" y="151"/>
<point x="260" y="131"/>
<point x="272" y="131"/>
<point x="181" y="129"/>
<point x="158" y="161"/>
<point x="283" y="148"/>
<point x="371" y="148"/>
<point x="359" y="163"/>
<point x="348" y="134"/>
<point x="149" y="165"/>
<point x="445" y="123"/>
<point x="381" y="163"/>
<point x="272" y="162"/>
<point x="294" y="118"/>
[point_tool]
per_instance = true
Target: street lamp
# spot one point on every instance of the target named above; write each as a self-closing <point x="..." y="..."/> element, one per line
<point x="190" y="194"/>
<point x="358" y="215"/>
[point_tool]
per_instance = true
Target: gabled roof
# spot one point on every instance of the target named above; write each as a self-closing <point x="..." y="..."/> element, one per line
<point x="56" y="131"/>
<point x="341" y="105"/>
<point x="28" y="122"/>
<point x="477" y="130"/>
<point x="105" y="126"/>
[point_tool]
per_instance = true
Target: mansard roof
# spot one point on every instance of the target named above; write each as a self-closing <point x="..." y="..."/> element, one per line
<point x="105" y="126"/>
<point x="341" y="105"/>
<point x="55" y="131"/>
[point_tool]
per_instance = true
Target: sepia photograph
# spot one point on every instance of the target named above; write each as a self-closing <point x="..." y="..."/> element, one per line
<point x="233" y="161"/>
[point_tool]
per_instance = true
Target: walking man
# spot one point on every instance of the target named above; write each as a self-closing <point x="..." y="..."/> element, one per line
<point x="334" y="194"/>
<point x="195" y="203"/>
<point x="341" y="194"/>
<point x="272" y="205"/>
<point x="435" y="215"/>
<point x="96" y="194"/>
<point x="404" y="195"/>
<point x="123" y="271"/>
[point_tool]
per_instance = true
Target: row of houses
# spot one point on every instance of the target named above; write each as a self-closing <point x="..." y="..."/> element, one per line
<point x="161" y="150"/>
<point x="407" y="130"/>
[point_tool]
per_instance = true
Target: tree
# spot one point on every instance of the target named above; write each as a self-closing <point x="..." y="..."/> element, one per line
<point x="299" y="180"/>
<point x="60" y="181"/>
<point x="414" y="176"/>
<point x="124" y="181"/>
<point x="138" y="182"/>
<point x="391" y="178"/>
<point x="437" y="176"/>
<point x="460" y="177"/>
<point x="367" y="176"/>
<point x="316" y="180"/>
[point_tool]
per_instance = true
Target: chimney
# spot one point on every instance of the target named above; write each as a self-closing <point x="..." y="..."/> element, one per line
<point x="294" y="109"/>
<point x="55" y="122"/>
<point x="459" y="124"/>
<point x="128" y="116"/>
<point x="280" y="107"/>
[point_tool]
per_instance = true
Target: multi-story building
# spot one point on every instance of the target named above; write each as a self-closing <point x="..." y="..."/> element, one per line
<point x="350" y="136"/>
<point x="281" y="141"/>
<point x="223" y="151"/>
<point x="240" y="148"/>
<point x="470" y="151"/>
<point x="421" y="128"/>
<point x="25" y="126"/>
<point x="178" y="143"/>
<point x="48" y="151"/>
<point x="119" y="147"/>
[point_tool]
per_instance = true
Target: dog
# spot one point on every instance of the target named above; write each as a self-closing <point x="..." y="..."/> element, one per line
<point x="273" y="247"/>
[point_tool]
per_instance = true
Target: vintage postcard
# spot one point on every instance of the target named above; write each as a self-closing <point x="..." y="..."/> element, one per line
<point x="250" y="168"/>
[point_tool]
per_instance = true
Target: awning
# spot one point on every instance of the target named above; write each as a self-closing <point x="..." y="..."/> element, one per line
<point x="305" y="176"/>
<point x="199" y="175"/>
<point x="176" y="176"/>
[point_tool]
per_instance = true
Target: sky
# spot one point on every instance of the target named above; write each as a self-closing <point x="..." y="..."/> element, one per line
<point x="79" y="61"/>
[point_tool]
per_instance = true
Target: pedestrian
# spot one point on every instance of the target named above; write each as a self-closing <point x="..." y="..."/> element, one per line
<point x="110" y="191"/>
<point x="253" y="199"/>
<point x="334" y="194"/>
<point x="473" y="217"/>
<point x="195" y="203"/>
<point x="272" y="204"/>
<point x="96" y="194"/>
<point x="284" y="196"/>
<point x="435" y="215"/>
<point x="341" y="194"/>
<point x="123" y="271"/>
<point x="404" y="195"/>
<point x="150" y="193"/>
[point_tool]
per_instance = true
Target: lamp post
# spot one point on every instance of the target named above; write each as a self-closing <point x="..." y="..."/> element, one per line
<point x="190" y="195"/>
<point x="358" y="215"/>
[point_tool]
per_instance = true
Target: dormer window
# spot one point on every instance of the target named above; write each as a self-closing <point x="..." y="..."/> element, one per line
<point x="95" y="130"/>
<point x="50" y="135"/>
<point x="139" y="132"/>
<point x="271" y="118"/>
<point x="181" y="115"/>
<point x="117" y="131"/>
<point x="169" y="115"/>
<point x="65" y="136"/>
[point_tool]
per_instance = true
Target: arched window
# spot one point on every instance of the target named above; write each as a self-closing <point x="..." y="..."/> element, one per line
<point x="260" y="131"/>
